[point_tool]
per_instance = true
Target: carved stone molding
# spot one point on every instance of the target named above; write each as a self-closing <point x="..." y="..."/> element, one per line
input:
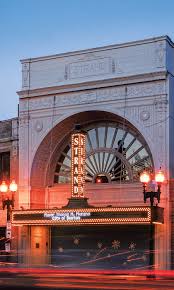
<point x="75" y="99"/>
<point x="94" y="95"/>
<point x="146" y="89"/>
<point x="23" y="105"/>
<point x="66" y="72"/>
<point x="25" y="74"/>
<point x="160" y="53"/>
<point x="161" y="104"/>
<point x="41" y="103"/>
<point x="113" y="66"/>
<point x="144" y="115"/>
<point x="109" y="94"/>
<point x="15" y="150"/>
<point x="161" y="107"/>
<point x="24" y="120"/>
<point x="38" y="126"/>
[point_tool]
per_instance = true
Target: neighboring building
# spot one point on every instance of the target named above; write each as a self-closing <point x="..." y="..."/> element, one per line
<point x="9" y="169"/>
<point x="122" y="96"/>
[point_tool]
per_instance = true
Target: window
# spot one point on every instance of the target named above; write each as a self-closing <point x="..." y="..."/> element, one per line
<point x="114" y="153"/>
<point x="4" y="166"/>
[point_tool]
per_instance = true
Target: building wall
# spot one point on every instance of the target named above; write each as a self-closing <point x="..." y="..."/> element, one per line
<point x="9" y="143"/>
<point x="171" y="164"/>
<point x="129" y="81"/>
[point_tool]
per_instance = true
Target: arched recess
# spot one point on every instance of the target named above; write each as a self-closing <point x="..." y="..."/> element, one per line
<point x="46" y="157"/>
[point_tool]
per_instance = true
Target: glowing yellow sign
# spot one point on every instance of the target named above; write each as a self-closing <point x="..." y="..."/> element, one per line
<point x="78" y="164"/>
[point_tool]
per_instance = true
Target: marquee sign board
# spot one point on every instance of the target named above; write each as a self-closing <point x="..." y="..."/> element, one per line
<point x="78" y="164"/>
<point x="89" y="216"/>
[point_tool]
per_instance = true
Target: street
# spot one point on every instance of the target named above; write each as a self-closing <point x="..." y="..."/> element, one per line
<point x="46" y="279"/>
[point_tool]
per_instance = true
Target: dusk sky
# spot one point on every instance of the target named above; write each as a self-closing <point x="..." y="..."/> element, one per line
<point x="31" y="28"/>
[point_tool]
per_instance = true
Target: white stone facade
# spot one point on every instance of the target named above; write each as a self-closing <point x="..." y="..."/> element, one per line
<point x="131" y="80"/>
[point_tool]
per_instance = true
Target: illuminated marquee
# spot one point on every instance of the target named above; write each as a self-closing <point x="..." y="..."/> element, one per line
<point x="78" y="164"/>
<point x="89" y="216"/>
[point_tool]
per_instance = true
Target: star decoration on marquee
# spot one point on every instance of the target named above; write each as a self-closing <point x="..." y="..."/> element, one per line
<point x="88" y="254"/>
<point x="116" y="244"/>
<point x="60" y="249"/>
<point x="76" y="241"/>
<point x="99" y="245"/>
<point x="144" y="258"/>
<point x="132" y="246"/>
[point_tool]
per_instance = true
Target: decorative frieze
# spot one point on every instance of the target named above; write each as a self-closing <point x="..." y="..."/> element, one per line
<point x="111" y="94"/>
<point x="41" y="103"/>
<point x="146" y="89"/>
<point x="94" y="96"/>
<point x="75" y="99"/>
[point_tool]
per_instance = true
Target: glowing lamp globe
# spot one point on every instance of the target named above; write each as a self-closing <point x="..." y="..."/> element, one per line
<point x="13" y="186"/>
<point x="159" y="177"/>
<point x="144" y="177"/>
<point x="98" y="180"/>
<point x="3" y="187"/>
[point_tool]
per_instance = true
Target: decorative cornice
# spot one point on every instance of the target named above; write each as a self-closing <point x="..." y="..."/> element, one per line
<point x="99" y="49"/>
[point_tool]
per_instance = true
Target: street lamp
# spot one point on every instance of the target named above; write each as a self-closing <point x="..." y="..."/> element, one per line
<point x="145" y="179"/>
<point x="8" y="202"/>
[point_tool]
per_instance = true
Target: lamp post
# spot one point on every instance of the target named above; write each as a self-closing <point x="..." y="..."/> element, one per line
<point x="145" y="179"/>
<point x="8" y="202"/>
<point x="152" y="195"/>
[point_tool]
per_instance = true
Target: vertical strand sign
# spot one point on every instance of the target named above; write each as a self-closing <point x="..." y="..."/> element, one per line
<point x="78" y="152"/>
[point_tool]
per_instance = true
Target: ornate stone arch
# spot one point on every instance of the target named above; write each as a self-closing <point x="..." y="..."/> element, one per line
<point x="55" y="141"/>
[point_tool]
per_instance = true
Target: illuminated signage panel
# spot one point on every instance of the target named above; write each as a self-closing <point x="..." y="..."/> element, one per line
<point x="78" y="164"/>
<point x="89" y="216"/>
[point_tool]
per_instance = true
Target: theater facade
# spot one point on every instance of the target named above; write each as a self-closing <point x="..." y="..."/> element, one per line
<point x="80" y="202"/>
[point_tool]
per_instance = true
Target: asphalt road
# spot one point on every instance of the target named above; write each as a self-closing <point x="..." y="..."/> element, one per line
<point x="77" y="281"/>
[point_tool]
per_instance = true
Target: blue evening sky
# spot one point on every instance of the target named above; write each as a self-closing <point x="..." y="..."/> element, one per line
<point x="31" y="28"/>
